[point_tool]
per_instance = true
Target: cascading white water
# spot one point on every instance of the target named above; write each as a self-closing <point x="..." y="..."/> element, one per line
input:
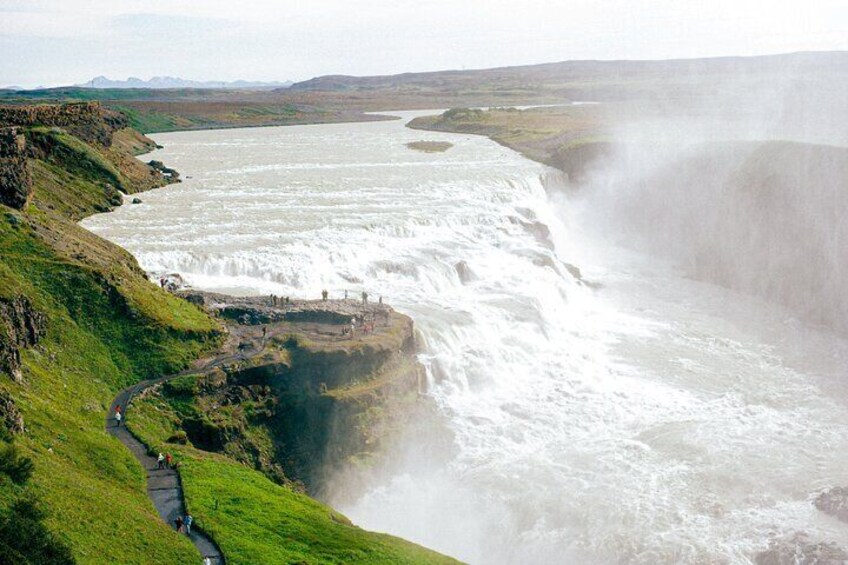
<point x="652" y="419"/>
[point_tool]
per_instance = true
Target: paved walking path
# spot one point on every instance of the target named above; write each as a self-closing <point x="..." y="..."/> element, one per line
<point x="163" y="485"/>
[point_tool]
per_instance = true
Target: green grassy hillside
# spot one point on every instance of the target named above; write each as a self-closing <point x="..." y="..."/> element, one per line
<point x="106" y="327"/>
<point x="256" y="521"/>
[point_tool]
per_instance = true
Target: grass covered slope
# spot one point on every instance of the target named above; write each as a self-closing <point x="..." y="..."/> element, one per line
<point x="546" y="134"/>
<point x="104" y="327"/>
<point x="91" y="487"/>
<point x="256" y="521"/>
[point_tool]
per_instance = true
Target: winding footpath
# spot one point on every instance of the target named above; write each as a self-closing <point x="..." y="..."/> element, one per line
<point x="163" y="485"/>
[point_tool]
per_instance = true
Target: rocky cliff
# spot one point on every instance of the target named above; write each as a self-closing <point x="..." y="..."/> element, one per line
<point x="21" y="326"/>
<point x="308" y="401"/>
<point x="15" y="177"/>
<point x="764" y="218"/>
<point x="88" y="121"/>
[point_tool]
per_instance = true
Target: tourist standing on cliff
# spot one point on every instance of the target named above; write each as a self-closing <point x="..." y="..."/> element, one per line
<point x="324" y="295"/>
<point x="364" y="298"/>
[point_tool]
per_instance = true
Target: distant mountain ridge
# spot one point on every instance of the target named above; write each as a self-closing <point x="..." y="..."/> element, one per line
<point x="165" y="82"/>
<point x="585" y="71"/>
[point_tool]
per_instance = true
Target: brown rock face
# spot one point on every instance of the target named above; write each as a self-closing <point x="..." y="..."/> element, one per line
<point x="20" y="326"/>
<point x="15" y="179"/>
<point x="11" y="421"/>
<point x="87" y="120"/>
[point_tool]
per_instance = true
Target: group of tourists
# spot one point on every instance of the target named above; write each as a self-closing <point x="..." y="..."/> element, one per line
<point x="279" y="300"/>
<point x="166" y="462"/>
<point x="367" y="323"/>
<point x="183" y="524"/>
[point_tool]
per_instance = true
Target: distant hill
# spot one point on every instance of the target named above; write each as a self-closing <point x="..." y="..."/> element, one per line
<point x="175" y="82"/>
<point x="600" y="75"/>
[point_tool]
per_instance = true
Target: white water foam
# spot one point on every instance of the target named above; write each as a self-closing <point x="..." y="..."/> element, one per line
<point x="651" y="420"/>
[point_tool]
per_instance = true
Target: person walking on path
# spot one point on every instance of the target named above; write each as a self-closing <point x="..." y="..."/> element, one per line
<point x="168" y="460"/>
<point x="264" y="331"/>
<point x="178" y="523"/>
<point x="160" y="461"/>
<point x="188" y="520"/>
<point x="118" y="419"/>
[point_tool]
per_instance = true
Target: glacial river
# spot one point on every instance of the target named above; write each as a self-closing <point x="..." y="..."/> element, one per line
<point x="642" y="418"/>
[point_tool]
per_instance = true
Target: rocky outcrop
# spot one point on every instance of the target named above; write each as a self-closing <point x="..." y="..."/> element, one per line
<point x="15" y="178"/>
<point x="87" y="120"/>
<point x="171" y="174"/>
<point x="11" y="421"/>
<point x="21" y="326"/>
<point x="799" y="550"/>
<point x="577" y="159"/>
<point x="834" y="502"/>
<point x="311" y="401"/>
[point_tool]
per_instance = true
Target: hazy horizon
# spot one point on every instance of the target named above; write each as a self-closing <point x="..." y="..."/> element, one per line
<point x="52" y="43"/>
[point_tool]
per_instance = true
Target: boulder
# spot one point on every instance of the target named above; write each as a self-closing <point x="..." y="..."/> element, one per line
<point x="834" y="502"/>
<point x="466" y="275"/>
<point x="136" y="200"/>
<point x="799" y="550"/>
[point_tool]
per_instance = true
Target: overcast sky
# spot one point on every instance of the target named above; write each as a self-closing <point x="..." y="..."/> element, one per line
<point x="55" y="42"/>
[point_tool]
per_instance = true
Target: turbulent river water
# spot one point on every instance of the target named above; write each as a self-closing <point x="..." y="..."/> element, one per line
<point x="642" y="418"/>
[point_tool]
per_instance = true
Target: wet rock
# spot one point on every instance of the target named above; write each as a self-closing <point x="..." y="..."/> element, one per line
<point x="136" y="200"/>
<point x="169" y="173"/>
<point x="799" y="550"/>
<point x="172" y="282"/>
<point x="574" y="271"/>
<point x="11" y="421"/>
<point x="21" y="326"/>
<point x="834" y="502"/>
<point x="466" y="275"/>
<point x="540" y="232"/>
